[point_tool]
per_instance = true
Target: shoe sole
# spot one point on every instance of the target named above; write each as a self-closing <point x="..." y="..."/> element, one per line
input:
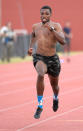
<point x="37" y="116"/>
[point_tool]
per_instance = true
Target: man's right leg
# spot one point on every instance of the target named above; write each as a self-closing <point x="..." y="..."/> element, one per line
<point x="41" y="70"/>
<point x="55" y="88"/>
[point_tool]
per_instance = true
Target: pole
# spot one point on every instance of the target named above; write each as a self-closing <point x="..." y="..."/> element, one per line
<point x="0" y="13"/>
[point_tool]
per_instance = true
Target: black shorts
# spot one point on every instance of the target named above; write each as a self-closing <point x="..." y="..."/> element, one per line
<point x="67" y="40"/>
<point x="52" y="62"/>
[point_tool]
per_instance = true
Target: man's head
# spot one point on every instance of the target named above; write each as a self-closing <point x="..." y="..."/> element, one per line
<point x="45" y="13"/>
<point x="9" y="24"/>
<point x="67" y="24"/>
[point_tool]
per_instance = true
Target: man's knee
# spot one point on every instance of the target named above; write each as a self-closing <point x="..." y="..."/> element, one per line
<point x="41" y="68"/>
<point x="40" y="77"/>
<point x="41" y="73"/>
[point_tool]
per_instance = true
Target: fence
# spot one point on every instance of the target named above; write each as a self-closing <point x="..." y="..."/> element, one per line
<point x="20" y="46"/>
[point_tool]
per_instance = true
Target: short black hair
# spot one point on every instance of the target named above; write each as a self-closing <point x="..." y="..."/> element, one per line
<point x="46" y="7"/>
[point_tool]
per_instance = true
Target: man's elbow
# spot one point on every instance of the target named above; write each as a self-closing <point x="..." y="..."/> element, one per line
<point x="63" y="42"/>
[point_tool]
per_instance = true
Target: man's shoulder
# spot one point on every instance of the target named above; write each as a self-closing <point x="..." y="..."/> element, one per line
<point x="36" y="25"/>
<point x="57" y="24"/>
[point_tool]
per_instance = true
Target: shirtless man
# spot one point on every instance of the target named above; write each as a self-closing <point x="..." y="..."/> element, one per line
<point x="45" y="34"/>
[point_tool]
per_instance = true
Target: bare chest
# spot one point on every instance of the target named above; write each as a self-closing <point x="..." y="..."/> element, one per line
<point x="44" y="32"/>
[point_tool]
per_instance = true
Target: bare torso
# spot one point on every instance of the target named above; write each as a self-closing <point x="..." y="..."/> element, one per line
<point x="45" y="39"/>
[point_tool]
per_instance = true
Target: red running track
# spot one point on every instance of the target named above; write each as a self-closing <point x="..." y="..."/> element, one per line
<point x="18" y="98"/>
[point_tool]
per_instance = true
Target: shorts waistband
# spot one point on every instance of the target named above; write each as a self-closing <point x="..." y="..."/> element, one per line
<point x="45" y="56"/>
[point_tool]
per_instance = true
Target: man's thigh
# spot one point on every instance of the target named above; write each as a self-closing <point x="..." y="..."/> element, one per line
<point x="41" y="67"/>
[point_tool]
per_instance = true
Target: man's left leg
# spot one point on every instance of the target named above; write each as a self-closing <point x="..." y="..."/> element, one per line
<point x="41" y="69"/>
<point x="55" y="88"/>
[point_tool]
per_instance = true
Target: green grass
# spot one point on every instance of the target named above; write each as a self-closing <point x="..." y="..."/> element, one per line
<point x="72" y="53"/>
<point x="17" y="60"/>
<point x="29" y="58"/>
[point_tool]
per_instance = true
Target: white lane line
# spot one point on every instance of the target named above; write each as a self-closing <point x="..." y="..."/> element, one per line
<point x="20" y="90"/>
<point x="72" y="78"/>
<point x="30" y="78"/>
<point x="31" y="102"/>
<point x="6" y="75"/>
<point x="16" y="80"/>
<point x="16" y="91"/>
<point x="17" y="106"/>
<point x="9" y="74"/>
<point x="13" y="74"/>
<point x="50" y="118"/>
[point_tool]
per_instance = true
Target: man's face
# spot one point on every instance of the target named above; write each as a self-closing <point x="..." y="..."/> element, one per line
<point x="45" y="15"/>
<point x="67" y="24"/>
<point x="9" y="24"/>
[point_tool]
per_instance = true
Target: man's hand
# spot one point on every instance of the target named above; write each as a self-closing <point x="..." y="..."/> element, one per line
<point x="51" y="28"/>
<point x="30" y="51"/>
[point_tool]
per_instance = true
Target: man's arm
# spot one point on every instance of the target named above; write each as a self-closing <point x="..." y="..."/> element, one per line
<point x="59" y="34"/>
<point x="57" y="30"/>
<point x="32" y="41"/>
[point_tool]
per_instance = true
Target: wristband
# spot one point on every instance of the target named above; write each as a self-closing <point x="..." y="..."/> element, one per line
<point x="52" y="28"/>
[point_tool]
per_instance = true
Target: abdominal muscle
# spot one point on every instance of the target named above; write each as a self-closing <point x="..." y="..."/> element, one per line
<point x="46" y="48"/>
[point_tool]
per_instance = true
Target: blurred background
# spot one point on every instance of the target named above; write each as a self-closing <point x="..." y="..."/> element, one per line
<point x="17" y="73"/>
<point x="22" y="14"/>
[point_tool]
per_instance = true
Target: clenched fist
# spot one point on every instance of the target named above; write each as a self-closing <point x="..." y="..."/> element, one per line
<point x="30" y="51"/>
